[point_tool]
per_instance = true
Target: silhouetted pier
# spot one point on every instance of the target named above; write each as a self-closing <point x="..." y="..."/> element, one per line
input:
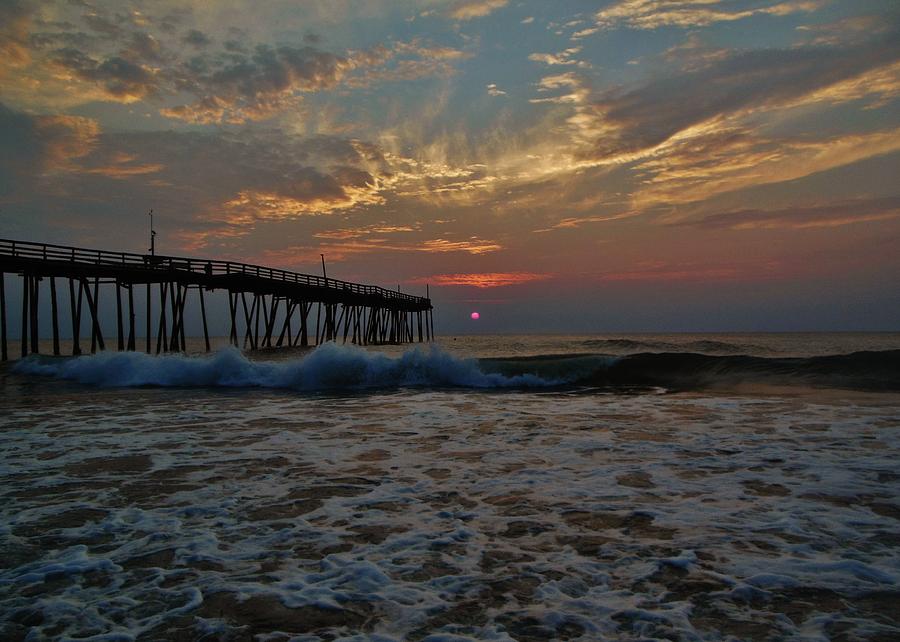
<point x="268" y="307"/>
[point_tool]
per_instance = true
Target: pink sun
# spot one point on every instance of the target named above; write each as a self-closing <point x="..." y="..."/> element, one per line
<point x="475" y="316"/>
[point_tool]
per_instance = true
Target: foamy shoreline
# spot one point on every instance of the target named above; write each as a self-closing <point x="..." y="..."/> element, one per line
<point x="166" y="513"/>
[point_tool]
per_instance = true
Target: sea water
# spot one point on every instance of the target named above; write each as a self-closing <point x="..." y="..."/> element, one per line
<point x="634" y="487"/>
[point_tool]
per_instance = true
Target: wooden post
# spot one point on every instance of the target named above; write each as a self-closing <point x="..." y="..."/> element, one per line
<point x="182" y="301"/>
<point x="149" y="318"/>
<point x="54" y="313"/>
<point x="26" y="288"/>
<point x="4" y="354"/>
<point x="76" y="316"/>
<point x="286" y="326"/>
<point x="259" y="301"/>
<point x="91" y="310"/>
<point x="120" y="330"/>
<point x="131" y="331"/>
<point x="345" y="318"/>
<point x="232" y="306"/>
<point x="35" y="330"/>
<point x="318" y="315"/>
<point x="304" y="329"/>
<point x="203" y="314"/>
<point x="162" y="333"/>
<point x="174" y="296"/>
<point x="248" y="319"/>
<point x="96" y="334"/>
<point x="270" y="320"/>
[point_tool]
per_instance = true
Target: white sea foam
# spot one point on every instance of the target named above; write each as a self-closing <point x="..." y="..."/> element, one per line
<point x="329" y="366"/>
<point x="444" y="514"/>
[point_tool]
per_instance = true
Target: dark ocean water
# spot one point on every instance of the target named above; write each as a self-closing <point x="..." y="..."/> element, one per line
<point x="696" y="487"/>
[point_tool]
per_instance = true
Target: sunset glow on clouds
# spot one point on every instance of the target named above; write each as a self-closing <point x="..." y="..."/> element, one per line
<point x="733" y="155"/>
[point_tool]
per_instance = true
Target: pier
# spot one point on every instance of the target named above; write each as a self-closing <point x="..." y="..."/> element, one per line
<point x="268" y="307"/>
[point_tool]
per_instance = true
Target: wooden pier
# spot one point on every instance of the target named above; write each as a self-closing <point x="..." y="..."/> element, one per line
<point x="267" y="307"/>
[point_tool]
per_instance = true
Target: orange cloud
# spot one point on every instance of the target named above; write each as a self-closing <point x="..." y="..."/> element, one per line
<point x="253" y="205"/>
<point x="484" y="280"/>
<point x="358" y="232"/>
<point x="123" y="171"/>
<point x="338" y="251"/>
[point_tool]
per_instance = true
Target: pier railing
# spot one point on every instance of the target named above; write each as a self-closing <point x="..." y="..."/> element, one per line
<point x="208" y="267"/>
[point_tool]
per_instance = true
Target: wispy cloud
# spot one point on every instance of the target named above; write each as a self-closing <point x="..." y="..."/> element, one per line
<point x="342" y="249"/>
<point x="824" y="215"/>
<point x="483" y="279"/>
<point x="575" y="222"/>
<point x="695" y="168"/>
<point x="652" y="14"/>
<point x="563" y="58"/>
<point x="468" y="9"/>
<point x="744" y="82"/>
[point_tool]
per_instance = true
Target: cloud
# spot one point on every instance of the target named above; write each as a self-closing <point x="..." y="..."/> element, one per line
<point x="32" y="145"/>
<point x="804" y="217"/>
<point x="474" y="245"/>
<point x="341" y="249"/>
<point x="211" y="186"/>
<point x="128" y="57"/>
<point x="121" y="79"/>
<point x="712" y="162"/>
<point x="653" y="14"/>
<point x="143" y="48"/>
<point x="197" y="39"/>
<point x="123" y="166"/>
<point x="269" y="80"/>
<point x="574" y="222"/>
<point x="561" y="58"/>
<point x="584" y="33"/>
<point x="256" y="85"/>
<point x="468" y="9"/>
<point x="640" y="119"/>
<point x="15" y="22"/>
<point x="484" y="279"/>
<point x="404" y="61"/>
<point x="368" y="230"/>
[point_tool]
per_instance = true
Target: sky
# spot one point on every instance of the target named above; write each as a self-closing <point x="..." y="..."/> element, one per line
<point x="565" y="166"/>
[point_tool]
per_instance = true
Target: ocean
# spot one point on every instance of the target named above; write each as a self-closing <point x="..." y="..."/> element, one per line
<point x="591" y="487"/>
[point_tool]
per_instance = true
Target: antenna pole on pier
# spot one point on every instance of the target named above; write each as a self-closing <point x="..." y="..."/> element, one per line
<point x="152" y="234"/>
<point x="324" y="275"/>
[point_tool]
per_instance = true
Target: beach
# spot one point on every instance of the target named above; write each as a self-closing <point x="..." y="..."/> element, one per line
<point x="480" y="490"/>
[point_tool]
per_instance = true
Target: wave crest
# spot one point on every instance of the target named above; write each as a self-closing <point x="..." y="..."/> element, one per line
<point x="335" y="367"/>
<point x="329" y="366"/>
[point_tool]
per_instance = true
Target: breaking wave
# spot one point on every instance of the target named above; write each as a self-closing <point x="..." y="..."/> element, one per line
<point x="348" y="367"/>
<point x="329" y="366"/>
